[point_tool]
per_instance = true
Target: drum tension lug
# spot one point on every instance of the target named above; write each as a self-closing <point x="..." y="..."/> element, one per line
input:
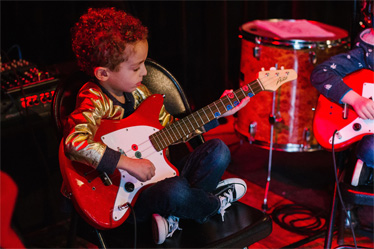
<point x="313" y="57"/>
<point x="307" y="134"/>
<point x="252" y="131"/>
<point x="257" y="52"/>
<point x="273" y="119"/>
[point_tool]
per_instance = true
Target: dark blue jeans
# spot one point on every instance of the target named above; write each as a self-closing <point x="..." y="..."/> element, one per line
<point x="189" y="195"/>
<point x="365" y="150"/>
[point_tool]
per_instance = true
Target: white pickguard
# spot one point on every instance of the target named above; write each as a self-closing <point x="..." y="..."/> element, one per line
<point x="123" y="140"/>
<point x="367" y="125"/>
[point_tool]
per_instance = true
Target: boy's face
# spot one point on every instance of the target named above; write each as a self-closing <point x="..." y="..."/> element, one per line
<point x="131" y="71"/>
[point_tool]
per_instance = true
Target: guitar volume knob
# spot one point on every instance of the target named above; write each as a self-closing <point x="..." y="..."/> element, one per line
<point x="356" y="126"/>
<point x="129" y="186"/>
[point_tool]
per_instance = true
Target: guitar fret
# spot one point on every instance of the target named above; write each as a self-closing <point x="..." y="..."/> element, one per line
<point x="216" y="107"/>
<point x="167" y="130"/>
<point x="160" y="142"/>
<point x="155" y="144"/>
<point x="255" y="88"/>
<point x="171" y="128"/>
<point x="197" y="122"/>
<point x="228" y="98"/>
<point x="223" y="105"/>
<point x="251" y="88"/>
<point x="182" y="127"/>
<point x="212" y="112"/>
<point x="198" y="125"/>
<point x="239" y="95"/>
<point x="161" y="137"/>
<point x="177" y="129"/>
<point x="190" y="122"/>
<point x="230" y="103"/>
<point x="237" y="99"/>
<point x="205" y="114"/>
<point x="199" y="116"/>
<point x="164" y="143"/>
<point x="243" y="91"/>
<point x="260" y="84"/>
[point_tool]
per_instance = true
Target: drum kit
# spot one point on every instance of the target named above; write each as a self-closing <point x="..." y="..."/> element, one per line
<point x="283" y="120"/>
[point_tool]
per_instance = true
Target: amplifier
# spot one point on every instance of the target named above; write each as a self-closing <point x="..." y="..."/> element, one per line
<point x="26" y="94"/>
<point x="32" y="102"/>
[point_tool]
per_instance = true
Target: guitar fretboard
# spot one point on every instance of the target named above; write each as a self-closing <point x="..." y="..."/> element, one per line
<point x="185" y="126"/>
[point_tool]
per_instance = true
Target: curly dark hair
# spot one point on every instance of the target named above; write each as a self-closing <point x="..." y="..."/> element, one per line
<point x="100" y="36"/>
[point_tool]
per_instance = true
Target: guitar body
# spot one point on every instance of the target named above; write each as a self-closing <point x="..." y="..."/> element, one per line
<point x="102" y="206"/>
<point x="329" y="115"/>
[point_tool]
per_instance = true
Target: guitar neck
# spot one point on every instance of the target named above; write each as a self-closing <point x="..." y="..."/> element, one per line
<point x="185" y="126"/>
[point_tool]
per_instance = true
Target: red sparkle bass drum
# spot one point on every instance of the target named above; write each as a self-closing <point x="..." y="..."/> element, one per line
<point x="291" y="108"/>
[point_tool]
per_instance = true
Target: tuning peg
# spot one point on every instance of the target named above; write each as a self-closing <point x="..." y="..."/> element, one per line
<point x="262" y="69"/>
<point x="282" y="67"/>
<point x="273" y="68"/>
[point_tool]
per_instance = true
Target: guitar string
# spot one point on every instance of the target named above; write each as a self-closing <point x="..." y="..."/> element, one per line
<point x="264" y="81"/>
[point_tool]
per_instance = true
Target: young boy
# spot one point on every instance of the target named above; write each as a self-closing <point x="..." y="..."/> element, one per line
<point x="112" y="46"/>
<point x="328" y="79"/>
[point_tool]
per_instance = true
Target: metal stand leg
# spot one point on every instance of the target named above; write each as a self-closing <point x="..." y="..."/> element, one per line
<point x="265" y="205"/>
<point x="330" y="228"/>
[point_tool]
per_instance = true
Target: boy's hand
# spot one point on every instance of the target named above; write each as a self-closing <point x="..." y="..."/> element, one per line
<point x="364" y="107"/>
<point x="242" y="103"/>
<point x="141" y="169"/>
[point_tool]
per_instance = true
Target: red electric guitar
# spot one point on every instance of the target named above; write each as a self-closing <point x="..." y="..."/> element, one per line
<point x="329" y="116"/>
<point x="104" y="202"/>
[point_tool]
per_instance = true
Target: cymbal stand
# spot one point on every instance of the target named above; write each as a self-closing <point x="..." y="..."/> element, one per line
<point x="271" y="121"/>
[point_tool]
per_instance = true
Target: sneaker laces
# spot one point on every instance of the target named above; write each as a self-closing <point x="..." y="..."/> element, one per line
<point x="173" y="225"/>
<point x="226" y="200"/>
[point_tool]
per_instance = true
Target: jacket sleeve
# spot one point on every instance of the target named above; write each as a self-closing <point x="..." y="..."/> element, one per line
<point x="328" y="76"/>
<point x="81" y="126"/>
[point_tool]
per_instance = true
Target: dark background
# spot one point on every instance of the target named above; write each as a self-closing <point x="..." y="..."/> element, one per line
<point x="195" y="40"/>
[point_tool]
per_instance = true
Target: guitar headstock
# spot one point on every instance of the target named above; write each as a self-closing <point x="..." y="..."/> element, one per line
<point x="273" y="79"/>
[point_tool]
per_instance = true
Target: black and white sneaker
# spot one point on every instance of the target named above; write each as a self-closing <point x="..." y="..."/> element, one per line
<point x="228" y="191"/>
<point x="163" y="228"/>
<point x="362" y="174"/>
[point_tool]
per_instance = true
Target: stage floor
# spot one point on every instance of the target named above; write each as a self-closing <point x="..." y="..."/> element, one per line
<point x="304" y="179"/>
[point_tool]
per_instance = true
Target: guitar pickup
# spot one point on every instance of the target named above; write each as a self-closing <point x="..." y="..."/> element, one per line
<point x="345" y="111"/>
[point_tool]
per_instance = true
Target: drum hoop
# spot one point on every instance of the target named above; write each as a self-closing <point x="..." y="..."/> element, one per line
<point x="296" y="44"/>
<point x="287" y="147"/>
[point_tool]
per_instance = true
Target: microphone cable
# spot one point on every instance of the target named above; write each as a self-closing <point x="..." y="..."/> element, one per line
<point x="135" y="226"/>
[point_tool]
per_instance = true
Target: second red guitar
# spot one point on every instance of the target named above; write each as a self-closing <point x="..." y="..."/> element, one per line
<point x="329" y="115"/>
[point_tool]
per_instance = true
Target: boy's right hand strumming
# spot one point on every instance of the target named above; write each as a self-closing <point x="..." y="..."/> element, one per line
<point x="141" y="169"/>
<point x="364" y="107"/>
